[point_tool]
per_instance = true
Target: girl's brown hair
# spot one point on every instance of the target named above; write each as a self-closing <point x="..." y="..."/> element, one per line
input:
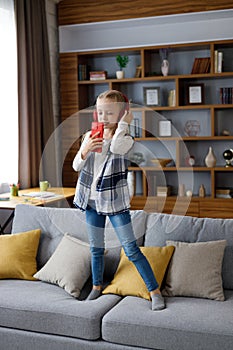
<point x="116" y="96"/>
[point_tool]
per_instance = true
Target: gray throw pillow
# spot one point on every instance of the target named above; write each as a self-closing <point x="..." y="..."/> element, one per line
<point x="69" y="267"/>
<point x="195" y="270"/>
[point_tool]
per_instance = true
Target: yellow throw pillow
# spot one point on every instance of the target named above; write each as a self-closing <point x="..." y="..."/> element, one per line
<point x="18" y="255"/>
<point x="127" y="280"/>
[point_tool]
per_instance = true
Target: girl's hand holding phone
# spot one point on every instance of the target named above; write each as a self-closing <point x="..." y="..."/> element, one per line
<point x="94" y="144"/>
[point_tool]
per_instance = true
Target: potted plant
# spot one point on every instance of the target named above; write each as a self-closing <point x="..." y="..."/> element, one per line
<point x="122" y="62"/>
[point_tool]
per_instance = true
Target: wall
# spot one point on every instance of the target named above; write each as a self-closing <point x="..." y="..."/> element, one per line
<point x="87" y="11"/>
<point x="150" y="31"/>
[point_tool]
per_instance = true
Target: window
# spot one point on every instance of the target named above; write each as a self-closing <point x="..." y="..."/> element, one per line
<point x="8" y="94"/>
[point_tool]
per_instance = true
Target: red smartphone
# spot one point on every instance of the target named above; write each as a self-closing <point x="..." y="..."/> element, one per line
<point x="95" y="127"/>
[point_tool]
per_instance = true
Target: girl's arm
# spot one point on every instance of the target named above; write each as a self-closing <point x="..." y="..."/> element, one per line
<point x="89" y="144"/>
<point x="122" y="141"/>
<point x="79" y="161"/>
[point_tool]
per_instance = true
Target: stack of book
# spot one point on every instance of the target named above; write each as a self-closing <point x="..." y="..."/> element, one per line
<point x="224" y="192"/>
<point x="201" y="65"/>
<point x="226" y="95"/>
<point x="218" y="59"/>
<point x="98" y="75"/>
<point x="163" y="191"/>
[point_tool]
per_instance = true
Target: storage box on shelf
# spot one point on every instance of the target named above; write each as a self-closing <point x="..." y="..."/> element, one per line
<point x="198" y="121"/>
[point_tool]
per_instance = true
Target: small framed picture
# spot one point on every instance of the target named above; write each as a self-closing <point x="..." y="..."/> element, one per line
<point x="151" y="96"/>
<point x="165" y="128"/>
<point x="196" y="94"/>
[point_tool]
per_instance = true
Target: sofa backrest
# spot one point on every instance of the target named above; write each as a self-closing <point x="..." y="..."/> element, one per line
<point x="163" y="227"/>
<point x="55" y="222"/>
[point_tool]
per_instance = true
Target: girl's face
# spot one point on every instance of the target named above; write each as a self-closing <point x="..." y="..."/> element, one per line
<point x="108" y="112"/>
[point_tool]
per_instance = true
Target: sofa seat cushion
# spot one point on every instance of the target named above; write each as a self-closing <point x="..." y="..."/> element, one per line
<point x="186" y="323"/>
<point x="46" y="308"/>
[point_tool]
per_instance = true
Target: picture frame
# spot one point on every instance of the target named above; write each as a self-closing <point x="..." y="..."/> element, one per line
<point x="165" y="128"/>
<point x="195" y="93"/>
<point x="151" y="96"/>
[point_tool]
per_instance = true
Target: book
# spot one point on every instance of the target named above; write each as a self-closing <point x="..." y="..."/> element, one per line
<point x="220" y="59"/>
<point x="163" y="191"/>
<point x="215" y="61"/>
<point x="172" y="98"/>
<point x="42" y="195"/>
<point x="226" y="95"/>
<point x="201" y="65"/>
<point x="98" y="75"/>
<point x="82" y="72"/>
<point x="151" y="182"/>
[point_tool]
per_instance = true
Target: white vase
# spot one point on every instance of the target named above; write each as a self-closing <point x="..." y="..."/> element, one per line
<point x="165" y="67"/>
<point x="210" y="159"/>
<point x="120" y="74"/>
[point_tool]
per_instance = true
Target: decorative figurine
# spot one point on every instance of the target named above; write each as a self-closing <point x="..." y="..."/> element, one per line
<point x="228" y="156"/>
<point x="190" y="161"/>
<point x="202" y="191"/>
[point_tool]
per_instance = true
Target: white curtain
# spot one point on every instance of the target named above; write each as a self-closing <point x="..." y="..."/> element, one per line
<point x="8" y="95"/>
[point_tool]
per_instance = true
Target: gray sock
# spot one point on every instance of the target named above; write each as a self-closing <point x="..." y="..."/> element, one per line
<point x="157" y="302"/>
<point x="95" y="293"/>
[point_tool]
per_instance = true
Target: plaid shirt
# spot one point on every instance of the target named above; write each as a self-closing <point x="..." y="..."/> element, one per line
<point x="112" y="187"/>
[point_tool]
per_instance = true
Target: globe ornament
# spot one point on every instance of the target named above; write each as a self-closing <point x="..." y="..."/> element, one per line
<point x="228" y="156"/>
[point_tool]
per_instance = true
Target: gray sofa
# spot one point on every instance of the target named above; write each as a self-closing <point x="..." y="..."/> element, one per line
<point x="38" y="315"/>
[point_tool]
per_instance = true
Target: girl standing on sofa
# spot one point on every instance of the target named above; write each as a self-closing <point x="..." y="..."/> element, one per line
<point x="102" y="190"/>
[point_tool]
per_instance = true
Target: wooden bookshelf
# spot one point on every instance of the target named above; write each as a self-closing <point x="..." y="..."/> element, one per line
<point x="212" y="116"/>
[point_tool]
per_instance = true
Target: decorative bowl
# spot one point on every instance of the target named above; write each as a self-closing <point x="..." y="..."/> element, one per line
<point x="161" y="161"/>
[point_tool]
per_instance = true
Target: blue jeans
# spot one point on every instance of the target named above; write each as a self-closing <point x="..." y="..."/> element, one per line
<point x="124" y="230"/>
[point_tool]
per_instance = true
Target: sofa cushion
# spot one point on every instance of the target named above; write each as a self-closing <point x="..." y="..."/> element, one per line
<point x="195" y="270"/>
<point x="54" y="222"/>
<point x="18" y="255"/>
<point x="163" y="227"/>
<point x="186" y="323"/>
<point x="127" y="280"/>
<point x="69" y="266"/>
<point x="46" y="308"/>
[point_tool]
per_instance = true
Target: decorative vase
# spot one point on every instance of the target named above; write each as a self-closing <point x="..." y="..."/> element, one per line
<point x="202" y="191"/>
<point x="165" y="67"/>
<point x="210" y="159"/>
<point x="120" y="74"/>
<point x="181" y="191"/>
